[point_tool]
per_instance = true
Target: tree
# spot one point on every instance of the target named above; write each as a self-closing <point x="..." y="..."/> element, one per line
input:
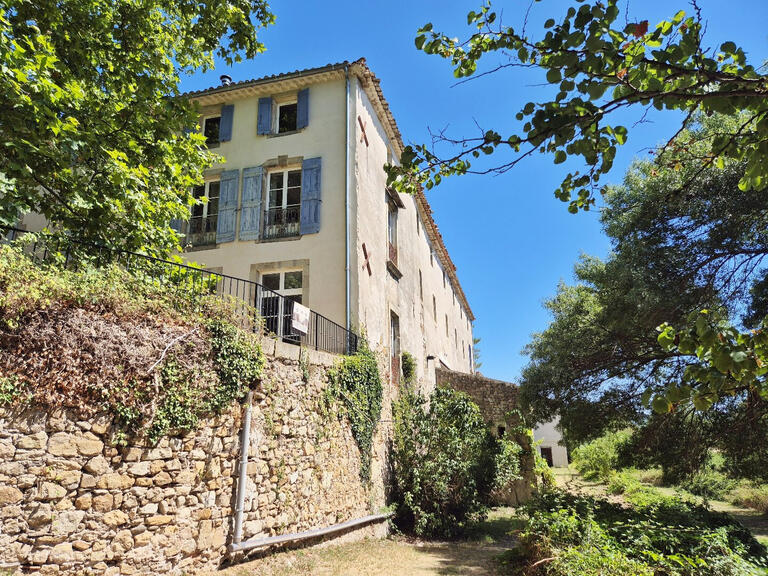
<point x="599" y="67"/>
<point x="94" y="133"/>
<point x="599" y="363"/>
<point x="476" y="362"/>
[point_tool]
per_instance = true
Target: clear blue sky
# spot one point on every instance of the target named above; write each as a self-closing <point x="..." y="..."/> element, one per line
<point x="510" y="239"/>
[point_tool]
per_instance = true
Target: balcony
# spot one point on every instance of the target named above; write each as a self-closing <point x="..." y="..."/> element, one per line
<point x="201" y="231"/>
<point x="282" y="222"/>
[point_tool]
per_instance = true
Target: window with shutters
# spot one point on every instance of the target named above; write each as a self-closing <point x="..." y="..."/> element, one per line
<point x="201" y="227"/>
<point x="287" y="115"/>
<point x="211" y="127"/>
<point x="282" y="217"/>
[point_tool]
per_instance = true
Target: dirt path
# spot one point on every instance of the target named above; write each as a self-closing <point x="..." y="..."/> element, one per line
<point x="395" y="556"/>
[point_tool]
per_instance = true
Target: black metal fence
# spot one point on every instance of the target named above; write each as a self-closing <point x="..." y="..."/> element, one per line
<point x="266" y="309"/>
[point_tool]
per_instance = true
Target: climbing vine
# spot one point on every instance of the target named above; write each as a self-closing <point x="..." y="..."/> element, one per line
<point x="356" y="383"/>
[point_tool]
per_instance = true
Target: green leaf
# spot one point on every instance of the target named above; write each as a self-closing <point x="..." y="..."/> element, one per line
<point x="553" y="75"/>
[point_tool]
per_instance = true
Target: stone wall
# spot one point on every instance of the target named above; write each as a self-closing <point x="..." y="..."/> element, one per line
<point x="497" y="400"/>
<point x="71" y="501"/>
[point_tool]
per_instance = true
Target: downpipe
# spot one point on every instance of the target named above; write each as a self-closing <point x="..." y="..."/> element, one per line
<point x="346" y="203"/>
<point x="245" y="441"/>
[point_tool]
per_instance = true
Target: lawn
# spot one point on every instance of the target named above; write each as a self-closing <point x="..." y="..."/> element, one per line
<point x="474" y="555"/>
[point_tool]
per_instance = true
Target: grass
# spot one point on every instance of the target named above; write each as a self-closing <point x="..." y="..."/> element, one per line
<point x="473" y="555"/>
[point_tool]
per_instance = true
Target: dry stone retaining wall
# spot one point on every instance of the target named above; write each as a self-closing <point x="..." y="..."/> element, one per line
<point x="73" y="502"/>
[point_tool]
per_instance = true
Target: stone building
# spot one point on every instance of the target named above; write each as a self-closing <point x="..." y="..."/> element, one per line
<point x="301" y="206"/>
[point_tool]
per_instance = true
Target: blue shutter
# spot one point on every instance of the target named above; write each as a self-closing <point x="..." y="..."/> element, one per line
<point x="176" y="225"/>
<point x="311" y="198"/>
<point x="225" y="126"/>
<point x="264" y="122"/>
<point x="225" y="226"/>
<point x="302" y="109"/>
<point x="250" y="213"/>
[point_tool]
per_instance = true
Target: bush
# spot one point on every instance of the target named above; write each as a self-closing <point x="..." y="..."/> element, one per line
<point x="708" y="483"/>
<point x="751" y="495"/>
<point x="664" y="536"/>
<point x="159" y="356"/>
<point x="596" y="459"/>
<point x="445" y="463"/>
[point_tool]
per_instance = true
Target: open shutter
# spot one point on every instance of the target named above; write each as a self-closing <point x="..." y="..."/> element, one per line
<point x="225" y="226"/>
<point x="302" y="109"/>
<point x="250" y="213"/>
<point x="264" y="122"/>
<point x="311" y="198"/>
<point x="176" y="225"/>
<point x="225" y="126"/>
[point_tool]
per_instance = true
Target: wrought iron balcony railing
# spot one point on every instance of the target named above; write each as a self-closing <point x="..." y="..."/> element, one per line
<point x="282" y="222"/>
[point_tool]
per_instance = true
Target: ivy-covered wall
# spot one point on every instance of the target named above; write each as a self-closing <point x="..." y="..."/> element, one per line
<point x="72" y="498"/>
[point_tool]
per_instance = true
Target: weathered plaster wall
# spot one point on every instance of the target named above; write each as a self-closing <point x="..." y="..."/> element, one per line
<point x="548" y="436"/>
<point x="322" y="253"/>
<point x="496" y="399"/>
<point x="71" y="502"/>
<point x="422" y="333"/>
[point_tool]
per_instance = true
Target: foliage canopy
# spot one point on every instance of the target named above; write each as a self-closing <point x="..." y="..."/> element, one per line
<point x="599" y="67"/>
<point x="94" y="134"/>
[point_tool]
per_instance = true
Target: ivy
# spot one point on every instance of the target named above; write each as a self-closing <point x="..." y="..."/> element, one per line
<point x="11" y="388"/>
<point x="238" y="360"/>
<point x="356" y="383"/>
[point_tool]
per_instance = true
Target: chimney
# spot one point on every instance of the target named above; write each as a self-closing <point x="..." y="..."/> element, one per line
<point x="226" y="80"/>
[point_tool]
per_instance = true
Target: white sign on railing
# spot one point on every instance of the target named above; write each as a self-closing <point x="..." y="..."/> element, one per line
<point x="300" y="318"/>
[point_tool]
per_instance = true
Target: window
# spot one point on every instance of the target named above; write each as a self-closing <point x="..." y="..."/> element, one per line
<point x="211" y="127"/>
<point x="418" y="224"/>
<point x="392" y="233"/>
<point x="421" y="288"/>
<point x="277" y="311"/>
<point x="287" y="116"/>
<point x="201" y="228"/>
<point x="434" y="307"/>
<point x="446" y="325"/>
<point x="500" y="431"/>
<point x="394" y="348"/>
<point x="283" y="215"/>
<point x="443" y="278"/>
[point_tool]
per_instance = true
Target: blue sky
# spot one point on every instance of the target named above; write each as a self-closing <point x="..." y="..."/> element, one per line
<point x="510" y="239"/>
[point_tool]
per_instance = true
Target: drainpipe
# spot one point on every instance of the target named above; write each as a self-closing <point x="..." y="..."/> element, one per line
<point x="245" y="441"/>
<point x="346" y="200"/>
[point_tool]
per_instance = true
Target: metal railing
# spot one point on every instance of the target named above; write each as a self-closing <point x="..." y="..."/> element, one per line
<point x="282" y="222"/>
<point x="265" y="308"/>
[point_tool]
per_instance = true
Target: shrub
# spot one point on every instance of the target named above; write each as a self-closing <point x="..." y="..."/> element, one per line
<point x="543" y="472"/>
<point x="708" y="483"/>
<point x="158" y="355"/>
<point x="445" y="463"/>
<point x="751" y="495"/>
<point x="588" y="536"/>
<point x="596" y="459"/>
